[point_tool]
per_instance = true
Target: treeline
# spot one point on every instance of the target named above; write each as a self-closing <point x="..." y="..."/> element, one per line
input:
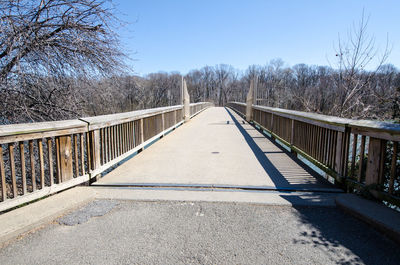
<point x="320" y="89"/>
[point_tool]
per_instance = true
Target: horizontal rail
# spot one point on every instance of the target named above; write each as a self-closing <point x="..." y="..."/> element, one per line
<point x="359" y="154"/>
<point x="39" y="159"/>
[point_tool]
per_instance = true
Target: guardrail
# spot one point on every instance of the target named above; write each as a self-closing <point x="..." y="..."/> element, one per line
<point x="38" y="159"/>
<point x="359" y="154"/>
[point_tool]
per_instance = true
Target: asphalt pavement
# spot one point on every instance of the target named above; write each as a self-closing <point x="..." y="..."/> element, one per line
<point x="173" y="232"/>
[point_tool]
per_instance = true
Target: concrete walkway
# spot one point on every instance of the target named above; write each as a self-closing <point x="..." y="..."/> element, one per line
<point x="216" y="148"/>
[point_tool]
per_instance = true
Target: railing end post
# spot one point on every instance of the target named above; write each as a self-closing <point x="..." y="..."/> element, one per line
<point x="249" y="102"/>
<point x="186" y="102"/>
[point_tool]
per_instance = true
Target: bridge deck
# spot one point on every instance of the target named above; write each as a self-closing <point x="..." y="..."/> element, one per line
<point x="216" y="148"/>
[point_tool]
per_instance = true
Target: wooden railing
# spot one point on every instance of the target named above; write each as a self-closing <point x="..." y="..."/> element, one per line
<point x="38" y="159"/>
<point x="361" y="155"/>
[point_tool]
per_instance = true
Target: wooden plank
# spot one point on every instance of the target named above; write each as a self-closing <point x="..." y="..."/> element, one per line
<point x="329" y="122"/>
<point x="334" y="149"/>
<point x="105" y="144"/>
<point x="382" y="162"/>
<point x="103" y="121"/>
<point x="12" y="168"/>
<point x="339" y="154"/>
<point x="40" y="127"/>
<point x="378" y="129"/>
<point x="361" y="161"/>
<point x="109" y="146"/>
<point x="50" y="159"/>
<point x="131" y="135"/>
<point x="39" y="135"/>
<point x="324" y="137"/>
<point x="136" y="133"/>
<point x="3" y="176"/>
<point x="76" y="155"/>
<point x="377" y="134"/>
<point x="117" y="141"/>
<point x="120" y="139"/>
<point x="321" y="144"/>
<point x="95" y="145"/>
<point x="41" y="162"/>
<point x="346" y="150"/>
<point x="58" y="160"/>
<point x="123" y="140"/>
<point x="113" y="136"/>
<point x="353" y="154"/>
<point x="313" y="142"/>
<point x="23" y="166"/>
<point x="102" y="145"/>
<point x="88" y="152"/>
<point x="141" y="131"/>
<point x="373" y="173"/>
<point x="32" y="162"/>
<point x="175" y="113"/>
<point x="66" y="158"/>
<point x="393" y="169"/>
<point x="126" y="137"/>
<point x="328" y="150"/>
<point x="82" y="155"/>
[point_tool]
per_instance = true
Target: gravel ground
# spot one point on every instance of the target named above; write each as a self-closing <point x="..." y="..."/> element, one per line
<point x="131" y="232"/>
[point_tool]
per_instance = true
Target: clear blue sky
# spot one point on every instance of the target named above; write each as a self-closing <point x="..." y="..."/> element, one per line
<point x="183" y="35"/>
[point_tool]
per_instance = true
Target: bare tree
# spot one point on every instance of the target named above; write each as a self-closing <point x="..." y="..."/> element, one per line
<point x="353" y="57"/>
<point x="45" y="44"/>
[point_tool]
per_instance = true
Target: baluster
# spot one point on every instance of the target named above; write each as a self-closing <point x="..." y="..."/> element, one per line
<point x="361" y="161"/>
<point x="50" y="159"/>
<point x="12" y="167"/>
<point x="393" y="167"/>
<point x="82" y="155"/>
<point x="32" y="161"/>
<point x="41" y="162"/>
<point x="76" y="155"/>
<point x="354" y="152"/>
<point x="3" y="176"/>
<point x="23" y="166"/>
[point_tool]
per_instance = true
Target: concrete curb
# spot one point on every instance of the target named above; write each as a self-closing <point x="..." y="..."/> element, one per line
<point x="32" y="216"/>
<point x="382" y="218"/>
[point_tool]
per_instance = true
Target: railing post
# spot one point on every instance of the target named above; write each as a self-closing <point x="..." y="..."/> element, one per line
<point x="163" y="123"/>
<point x="94" y="142"/>
<point x="342" y="146"/>
<point x="292" y="137"/>
<point x="374" y="172"/>
<point x="339" y="154"/>
<point x="96" y="148"/>
<point x="249" y="102"/>
<point x="175" y="121"/>
<point x="141" y="132"/>
<point x="65" y="156"/>
<point x="186" y="102"/>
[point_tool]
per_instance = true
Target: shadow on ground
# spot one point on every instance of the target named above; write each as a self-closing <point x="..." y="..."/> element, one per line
<point x="276" y="176"/>
<point x="331" y="229"/>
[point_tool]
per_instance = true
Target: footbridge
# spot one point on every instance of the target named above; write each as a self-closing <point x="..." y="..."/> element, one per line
<point x="199" y="152"/>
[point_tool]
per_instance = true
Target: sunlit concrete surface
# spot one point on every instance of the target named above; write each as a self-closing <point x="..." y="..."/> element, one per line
<point x="216" y="148"/>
